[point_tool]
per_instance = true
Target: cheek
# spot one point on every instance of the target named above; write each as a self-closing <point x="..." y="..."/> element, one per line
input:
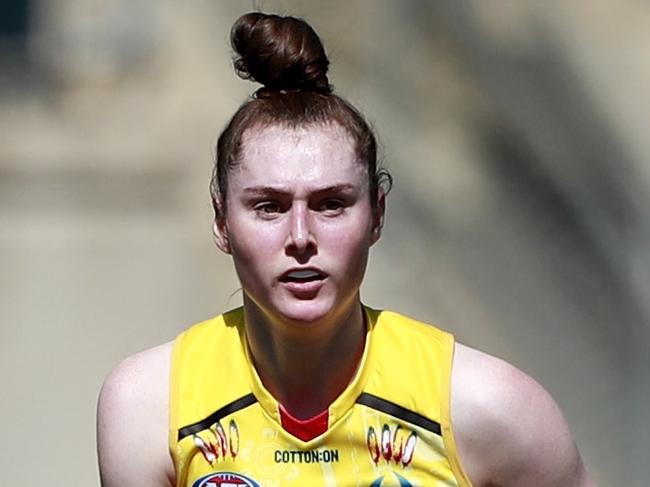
<point x="255" y="247"/>
<point x="350" y="243"/>
<point x="351" y="240"/>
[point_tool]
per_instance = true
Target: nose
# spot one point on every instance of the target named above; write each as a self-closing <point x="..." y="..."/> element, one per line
<point x="300" y="239"/>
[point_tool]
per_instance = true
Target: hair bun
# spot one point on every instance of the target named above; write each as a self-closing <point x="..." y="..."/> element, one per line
<point x="281" y="53"/>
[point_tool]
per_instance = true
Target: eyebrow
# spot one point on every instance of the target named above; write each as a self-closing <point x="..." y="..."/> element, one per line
<point x="270" y="190"/>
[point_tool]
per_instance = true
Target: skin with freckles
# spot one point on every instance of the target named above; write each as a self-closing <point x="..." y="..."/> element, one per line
<point x="298" y="200"/>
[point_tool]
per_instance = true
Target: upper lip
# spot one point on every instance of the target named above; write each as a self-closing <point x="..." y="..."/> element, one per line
<point x="285" y="275"/>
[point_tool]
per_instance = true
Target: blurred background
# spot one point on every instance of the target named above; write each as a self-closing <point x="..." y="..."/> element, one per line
<point x="517" y="134"/>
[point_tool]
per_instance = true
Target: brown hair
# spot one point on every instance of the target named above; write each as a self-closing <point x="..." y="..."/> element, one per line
<point x="286" y="56"/>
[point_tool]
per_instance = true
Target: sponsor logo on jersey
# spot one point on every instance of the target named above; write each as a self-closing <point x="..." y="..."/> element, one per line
<point x="225" y="479"/>
<point x="393" y="447"/>
<point x="219" y="445"/>
<point x="310" y="456"/>
<point x="402" y="481"/>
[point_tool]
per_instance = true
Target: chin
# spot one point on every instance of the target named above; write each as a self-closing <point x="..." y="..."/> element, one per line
<point x="305" y="313"/>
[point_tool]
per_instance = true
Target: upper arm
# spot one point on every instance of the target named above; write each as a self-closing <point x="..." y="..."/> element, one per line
<point x="132" y="425"/>
<point x="508" y="429"/>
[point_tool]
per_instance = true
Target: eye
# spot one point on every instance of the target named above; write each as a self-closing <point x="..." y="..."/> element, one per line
<point x="268" y="208"/>
<point x="331" y="206"/>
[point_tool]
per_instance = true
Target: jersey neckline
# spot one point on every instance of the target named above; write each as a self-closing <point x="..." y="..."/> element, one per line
<point x="336" y="410"/>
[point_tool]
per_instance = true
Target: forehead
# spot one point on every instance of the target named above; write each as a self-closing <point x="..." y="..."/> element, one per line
<point x="315" y="155"/>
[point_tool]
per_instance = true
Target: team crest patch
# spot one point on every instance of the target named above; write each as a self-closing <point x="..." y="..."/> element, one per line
<point x="225" y="479"/>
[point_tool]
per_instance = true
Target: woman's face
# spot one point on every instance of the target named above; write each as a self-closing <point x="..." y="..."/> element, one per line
<point x="299" y="222"/>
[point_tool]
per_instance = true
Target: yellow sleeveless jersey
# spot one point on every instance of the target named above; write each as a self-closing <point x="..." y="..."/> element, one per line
<point x="390" y="427"/>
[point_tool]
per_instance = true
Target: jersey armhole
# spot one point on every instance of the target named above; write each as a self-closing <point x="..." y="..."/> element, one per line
<point x="447" y="429"/>
<point x="174" y="372"/>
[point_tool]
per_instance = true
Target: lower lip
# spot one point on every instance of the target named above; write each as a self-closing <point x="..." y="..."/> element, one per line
<point x="304" y="290"/>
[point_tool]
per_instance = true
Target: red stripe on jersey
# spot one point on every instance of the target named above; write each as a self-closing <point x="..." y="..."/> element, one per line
<point x="304" y="429"/>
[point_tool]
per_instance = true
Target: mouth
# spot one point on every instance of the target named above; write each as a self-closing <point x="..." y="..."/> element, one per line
<point x="300" y="276"/>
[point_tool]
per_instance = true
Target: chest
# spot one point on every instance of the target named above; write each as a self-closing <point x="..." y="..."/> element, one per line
<point x="366" y="447"/>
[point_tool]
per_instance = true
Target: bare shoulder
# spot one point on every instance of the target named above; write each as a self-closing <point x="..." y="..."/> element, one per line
<point x="508" y="429"/>
<point x="132" y="421"/>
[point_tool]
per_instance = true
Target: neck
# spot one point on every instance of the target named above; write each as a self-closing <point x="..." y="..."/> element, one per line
<point x="306" y="367"/>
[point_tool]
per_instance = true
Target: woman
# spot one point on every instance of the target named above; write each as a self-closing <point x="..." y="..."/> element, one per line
<point x="304" y="385"/>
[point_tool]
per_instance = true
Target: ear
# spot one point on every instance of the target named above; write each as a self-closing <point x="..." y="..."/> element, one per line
<point x="378" y="217"/>
<point x="220" y="232"/>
